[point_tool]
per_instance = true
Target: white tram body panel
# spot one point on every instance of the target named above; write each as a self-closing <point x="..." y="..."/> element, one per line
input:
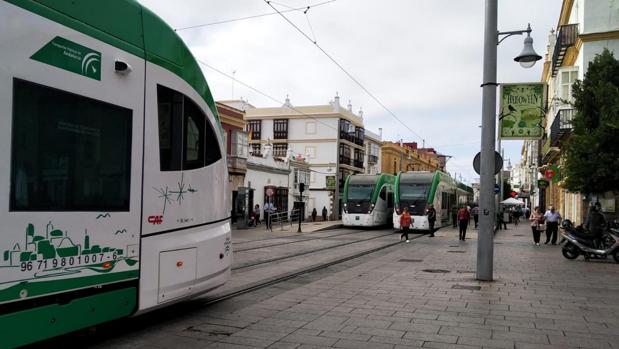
<point x="173" y="232"/>
<point x="44" y="245"/>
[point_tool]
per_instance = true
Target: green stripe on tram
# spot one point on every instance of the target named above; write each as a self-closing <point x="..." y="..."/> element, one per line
<point x="32" y="325"/>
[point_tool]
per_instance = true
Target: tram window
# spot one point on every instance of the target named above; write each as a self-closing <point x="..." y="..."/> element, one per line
<point x="68" y="152"/>
<point x="186" y="138"/>
<point x="383" y="193"/>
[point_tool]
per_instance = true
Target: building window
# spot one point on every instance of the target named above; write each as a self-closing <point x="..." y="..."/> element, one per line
<point x="255" y="149"/>
<point x="186" y="138"/>
<point x="280" y="149"/>
<point x="301" y="176"/>
<point x="344" y="154"/>
<point x="310" y="152"/>
<point x="310" y="128"/>
<point x="254" y="127"/>
<point x="568" y="77"/>
<point x="239" y="143"/>
<point x="358" y="160"/>
<point x="359" y="135"/>
<point x="69" y="152"/>
<point x="347" y="130"/>
<point x="280" y="129"/>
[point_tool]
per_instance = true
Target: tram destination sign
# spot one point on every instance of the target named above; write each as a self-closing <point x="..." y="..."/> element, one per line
<point x="522" y="111"/>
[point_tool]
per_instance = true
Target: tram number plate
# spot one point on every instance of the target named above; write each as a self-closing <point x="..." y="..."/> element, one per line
<point x="356" y="218"/>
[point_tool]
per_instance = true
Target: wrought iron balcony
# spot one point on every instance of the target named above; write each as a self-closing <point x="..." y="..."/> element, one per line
<point x="566" y="37"/>
<point x="358" y="163"/>
<point x="372" y="159"/>
<point x="344" y="160"/>
<point x="561" y="126"/>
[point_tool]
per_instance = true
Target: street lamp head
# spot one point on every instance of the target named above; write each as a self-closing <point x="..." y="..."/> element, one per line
<point x="528" y="56"/>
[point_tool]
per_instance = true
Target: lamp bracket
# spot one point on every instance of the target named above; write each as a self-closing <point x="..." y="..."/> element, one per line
<point x="511" y="33"/>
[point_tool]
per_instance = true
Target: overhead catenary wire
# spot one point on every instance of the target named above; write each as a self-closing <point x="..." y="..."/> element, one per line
<point x="264" y="94"/>
<point x="290" y="9"/>
<point x="269" y="2"/>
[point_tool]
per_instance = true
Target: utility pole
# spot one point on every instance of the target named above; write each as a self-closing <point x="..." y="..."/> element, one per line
<point x="485" y="241"/>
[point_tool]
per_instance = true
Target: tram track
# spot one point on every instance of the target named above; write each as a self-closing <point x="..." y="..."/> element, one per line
<point x="287" y="236"/>
<point x="294" y="241"/>
<point x="297" y="254"/>
<point x="238" y="291"/>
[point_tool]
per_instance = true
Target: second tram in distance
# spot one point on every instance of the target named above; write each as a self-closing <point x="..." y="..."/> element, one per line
<point x="419" y="189"/>
<point x="368" y="200"/>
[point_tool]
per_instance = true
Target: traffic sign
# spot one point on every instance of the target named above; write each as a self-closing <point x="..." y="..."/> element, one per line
<point x="498" y="162"/>
<point x="497" y="188"/>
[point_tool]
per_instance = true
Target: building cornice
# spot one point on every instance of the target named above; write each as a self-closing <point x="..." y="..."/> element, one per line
<point x="609" y="35"/>
<point x="263" y="168"/>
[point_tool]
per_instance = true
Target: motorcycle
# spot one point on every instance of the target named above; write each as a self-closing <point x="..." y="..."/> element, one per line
<point x="578" y="242"/>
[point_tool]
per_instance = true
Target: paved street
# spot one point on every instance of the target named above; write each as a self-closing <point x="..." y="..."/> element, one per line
<point x="390" y="300"/>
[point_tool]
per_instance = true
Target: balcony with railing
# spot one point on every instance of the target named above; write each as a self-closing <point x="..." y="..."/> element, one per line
<point x="344" y="160"/>
<point x="358" y="163"/>
<point x="372" y="159"/>
<point x="561" y="126"/>
<point x="566" y="38"/>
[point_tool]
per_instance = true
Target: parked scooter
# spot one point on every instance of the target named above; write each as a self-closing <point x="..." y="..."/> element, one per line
<point x="578" y="242"/>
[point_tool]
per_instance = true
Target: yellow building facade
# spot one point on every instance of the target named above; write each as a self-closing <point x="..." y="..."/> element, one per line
<point x="396" y="158"/>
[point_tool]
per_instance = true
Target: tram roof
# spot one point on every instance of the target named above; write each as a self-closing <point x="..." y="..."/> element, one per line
<point x="131" y="27"/>
<point x="416" y="177"/>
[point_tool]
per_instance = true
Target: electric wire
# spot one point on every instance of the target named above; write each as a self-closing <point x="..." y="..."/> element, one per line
<point x="290" y="9"/>
<point x="268" y="2"/>
<point x="264" y="94"/>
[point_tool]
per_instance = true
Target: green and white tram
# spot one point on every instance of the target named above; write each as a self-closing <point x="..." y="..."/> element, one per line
<point x="111" y="157"/>
<point x="368" y="200"/>
<point x="417" y="190"/>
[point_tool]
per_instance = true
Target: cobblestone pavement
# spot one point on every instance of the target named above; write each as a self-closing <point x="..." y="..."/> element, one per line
<point x="538" y="300"/>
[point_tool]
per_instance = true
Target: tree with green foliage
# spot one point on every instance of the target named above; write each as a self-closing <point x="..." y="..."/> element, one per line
<point x="592" y="154"/>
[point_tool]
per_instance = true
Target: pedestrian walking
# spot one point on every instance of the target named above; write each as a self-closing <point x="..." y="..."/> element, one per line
<point x="269" y="210"/>
<point x="475" y="212"/>
<point x="454" y="216"/>
<point x="314" y="214"/>
<point x="501" y="219"/>
<point x="527" y="212"/>
<point x="595" y="223"/>
<point x="431" y="213"/>
<point x="536" y="219"/>
<point x="463" y="222"/>
<point x="256" y="214"/>
<point x="405" y="224"/>
<point x="552" y="219"/>
<point x="324" y="213"/>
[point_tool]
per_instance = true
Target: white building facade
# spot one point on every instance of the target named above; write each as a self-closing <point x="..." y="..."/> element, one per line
<point x="373" y="145"/>
<point x="330" y="138"/>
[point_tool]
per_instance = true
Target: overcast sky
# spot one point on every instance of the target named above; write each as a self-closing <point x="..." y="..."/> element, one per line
<point x="421" y="59"/>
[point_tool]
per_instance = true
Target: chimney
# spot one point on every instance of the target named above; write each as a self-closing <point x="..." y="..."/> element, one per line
<point x="336" y="103"/>
<point x="361" y="113"/>
<point x="380" y="133"/>
<point x="287" y="102"/>
<point x="349" y="106"/>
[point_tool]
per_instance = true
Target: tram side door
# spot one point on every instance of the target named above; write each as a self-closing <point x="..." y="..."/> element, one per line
<point x="71" y="155"/>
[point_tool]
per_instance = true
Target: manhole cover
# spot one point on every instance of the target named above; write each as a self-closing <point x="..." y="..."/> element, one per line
<point x="456" y="251"/>
<point x="466" y="272"/>
<point x="498" y="243"/>
<point x="436" y="271"/>
<point x="411" y="260"/>
<point x="517" y="235"/>
<point x="454" y="245"/>
<point x="465" y="287"/>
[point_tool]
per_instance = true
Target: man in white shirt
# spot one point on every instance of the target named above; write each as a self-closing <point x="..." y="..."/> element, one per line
<point x="552" y="218"/>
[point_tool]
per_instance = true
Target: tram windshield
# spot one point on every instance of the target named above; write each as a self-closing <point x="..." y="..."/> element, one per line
<point x="414" y="196"/>
<point x="360" y="192"/>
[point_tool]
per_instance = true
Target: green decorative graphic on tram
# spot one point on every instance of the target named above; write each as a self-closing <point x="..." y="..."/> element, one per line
<point x="56" y="253"/>
<point x="67" y="55"/>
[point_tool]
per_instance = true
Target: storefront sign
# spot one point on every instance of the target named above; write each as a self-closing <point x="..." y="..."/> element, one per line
<point x="522" y="111"/>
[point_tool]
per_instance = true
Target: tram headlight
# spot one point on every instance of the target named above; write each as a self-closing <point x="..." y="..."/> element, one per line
<point x="371" y="208"/>
<point x="345" y="208"/>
